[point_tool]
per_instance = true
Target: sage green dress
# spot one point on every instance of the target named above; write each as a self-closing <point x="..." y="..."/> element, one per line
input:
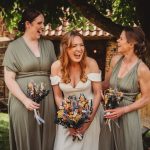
<point x="25" y="133"/>
<point x="128" y="135"/>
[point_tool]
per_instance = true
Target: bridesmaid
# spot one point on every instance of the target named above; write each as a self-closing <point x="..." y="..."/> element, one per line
<point x="27" y="59"/>
<point x="130" y="75"/>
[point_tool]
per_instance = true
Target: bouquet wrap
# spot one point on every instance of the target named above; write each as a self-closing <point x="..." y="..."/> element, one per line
<point x="112" y="98"/>
<point x="37" y="93"/>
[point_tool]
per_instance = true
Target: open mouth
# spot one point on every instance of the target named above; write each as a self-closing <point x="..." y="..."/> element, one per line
<point x="118" y="45"/>
<point x="77" y="55"/>
<point x="40" y="31"/>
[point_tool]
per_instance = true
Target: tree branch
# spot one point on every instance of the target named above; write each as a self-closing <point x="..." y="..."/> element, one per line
<point x="96" y="17"/>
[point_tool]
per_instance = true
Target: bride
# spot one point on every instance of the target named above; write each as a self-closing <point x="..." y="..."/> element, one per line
<point x="75" y="73"/>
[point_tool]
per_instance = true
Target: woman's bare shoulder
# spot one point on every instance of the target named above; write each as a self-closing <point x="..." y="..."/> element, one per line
<point x="90" y="60"/>
<point x="56" y="67"/>
<point x="115" y="59"/>
<point x="92" y="65"/>
<point x="143" y="70"/>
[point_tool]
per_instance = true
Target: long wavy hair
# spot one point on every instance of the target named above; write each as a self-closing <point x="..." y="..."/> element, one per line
<point x="66" y="43"/>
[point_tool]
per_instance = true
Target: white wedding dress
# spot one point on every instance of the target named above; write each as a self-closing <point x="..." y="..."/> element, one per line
<point x="90" y="141"/>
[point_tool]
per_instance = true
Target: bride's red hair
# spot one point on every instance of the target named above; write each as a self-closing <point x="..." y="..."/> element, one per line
<point x="66" y="43"/>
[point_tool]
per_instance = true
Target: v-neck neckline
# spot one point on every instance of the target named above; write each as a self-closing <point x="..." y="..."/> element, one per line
<point x="31" y="50"/>
<point x="121" y="78"/>
<point x="76" y="85"/>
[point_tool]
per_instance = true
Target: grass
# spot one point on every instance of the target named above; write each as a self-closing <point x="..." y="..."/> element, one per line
<point x="146" y="140"/>
<point x="4" y="131"/>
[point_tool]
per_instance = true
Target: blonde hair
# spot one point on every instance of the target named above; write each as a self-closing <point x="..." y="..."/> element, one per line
<point x="66" y="43"/>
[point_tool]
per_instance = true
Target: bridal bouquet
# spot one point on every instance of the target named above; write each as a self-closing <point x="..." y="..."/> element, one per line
<point x="37" y="93"/>
<point x="74" y="112"/>
<point x="112" y="98"/>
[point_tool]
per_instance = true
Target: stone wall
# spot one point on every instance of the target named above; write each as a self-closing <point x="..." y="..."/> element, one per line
<point x="111" y="50"/>
<point x="4" y="31"/>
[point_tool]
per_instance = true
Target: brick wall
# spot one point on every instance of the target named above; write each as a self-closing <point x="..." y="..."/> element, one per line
<point x="3" y="88"/>
<point x="4" y="31"/>
<point x="110" y="52"/>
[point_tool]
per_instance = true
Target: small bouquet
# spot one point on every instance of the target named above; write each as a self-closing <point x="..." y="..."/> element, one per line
<point x="74" y="112"/>
<point x="37" y="93"/>
<point x="112" y="98"/>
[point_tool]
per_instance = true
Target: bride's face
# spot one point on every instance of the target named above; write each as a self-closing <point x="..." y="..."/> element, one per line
<point x="76" y="51"/>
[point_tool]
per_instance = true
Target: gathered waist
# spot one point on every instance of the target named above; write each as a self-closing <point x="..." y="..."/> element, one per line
<point x="34" y="73"/>
<point x="130" y="96"/>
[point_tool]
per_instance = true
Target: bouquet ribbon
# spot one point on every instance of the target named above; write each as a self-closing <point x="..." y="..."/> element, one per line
<point x="108" y="122"/>
<point x="38" y="118"/>
<point x="79" y="136"/>
<point x="116" y="123"/>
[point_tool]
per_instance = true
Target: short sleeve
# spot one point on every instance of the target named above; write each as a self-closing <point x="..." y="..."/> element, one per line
<point x="9" y="60"/>
<point x="52" y="51"/>
<point x="95" y="77"/>
<point x="55" y="80"/>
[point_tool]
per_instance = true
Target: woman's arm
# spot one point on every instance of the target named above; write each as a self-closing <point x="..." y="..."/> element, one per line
<point x="55" y="71"/>
<point x="58" y="99"/>
<point x="144" y="83"/>
<point x="14" y="88"/>
<point x="96" y="88"/>
<point x="58" y="96"/>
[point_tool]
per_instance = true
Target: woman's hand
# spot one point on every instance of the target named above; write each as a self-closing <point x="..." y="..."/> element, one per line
<point x="115" y="113"/>
<point x="30" y="105"/>
<point x="72" y="131"/>
<point x="83" y="129"/>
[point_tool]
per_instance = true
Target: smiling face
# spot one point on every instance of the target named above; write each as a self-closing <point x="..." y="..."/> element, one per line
<point x="123" y="45"/>
<point x="76" y="50"/>
<point x="35" y="28"/>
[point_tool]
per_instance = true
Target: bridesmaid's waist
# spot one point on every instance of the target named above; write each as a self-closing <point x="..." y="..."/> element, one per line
<point x="34" y="73"/>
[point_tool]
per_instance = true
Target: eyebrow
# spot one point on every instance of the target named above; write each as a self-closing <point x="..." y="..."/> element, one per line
<point x="77" y="43"/>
